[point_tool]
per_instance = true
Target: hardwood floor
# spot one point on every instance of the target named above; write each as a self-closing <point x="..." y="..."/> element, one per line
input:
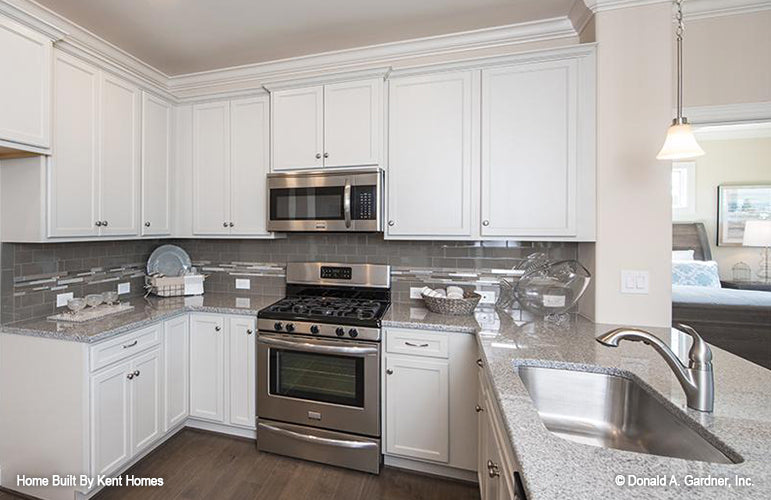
<point x="201" y="465"/>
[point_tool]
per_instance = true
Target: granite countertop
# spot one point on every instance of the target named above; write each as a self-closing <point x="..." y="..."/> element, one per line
<point x="553" y="467"/>
<point x="146" y="311"/>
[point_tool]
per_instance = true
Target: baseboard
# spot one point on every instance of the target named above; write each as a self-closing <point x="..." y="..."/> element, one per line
<point x="221" y="428"/>
<point x="429" y="468"/>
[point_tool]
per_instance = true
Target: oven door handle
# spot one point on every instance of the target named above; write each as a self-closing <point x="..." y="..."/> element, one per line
<point x="340" y="443"/>
<point x="347" y="202"/>
<point x="320" y="348"/>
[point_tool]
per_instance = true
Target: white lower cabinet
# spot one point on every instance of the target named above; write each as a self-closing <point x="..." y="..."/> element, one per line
<point x="176" y="366"/>
<point x="429" y="392"/>
<point x="222" y="369"/>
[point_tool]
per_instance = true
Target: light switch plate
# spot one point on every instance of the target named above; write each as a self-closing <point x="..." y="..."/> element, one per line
<point x="415" y="292"/>
<point x="243" y="302"/>
<point x="636" y="282"/>
<point x="243" y="284"/>
<point x="124" y="288"/>
<point x="487" y="297"/>
<point x="62" y="298"/>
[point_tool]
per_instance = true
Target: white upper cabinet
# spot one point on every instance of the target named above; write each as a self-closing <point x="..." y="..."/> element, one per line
<point x="334" y="125"/>
<point x="156" y="165"/>
<point x="25" y="87"/>
<point x="529" y="161"/>
<point x="119" y="157"/>
<point x="433" y="171"/>
<point x="353" y="120"/>
<point x="74" y="166"/>
<point x="298" y="128"/>
<point x="249" y="165"/>
<point x="211" y="168"/>
<point x="230" y="164"/>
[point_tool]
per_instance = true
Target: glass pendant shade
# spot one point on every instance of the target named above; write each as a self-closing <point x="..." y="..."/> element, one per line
<point x="680" y="144"/>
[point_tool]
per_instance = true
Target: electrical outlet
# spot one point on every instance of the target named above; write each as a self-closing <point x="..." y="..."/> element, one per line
<point x="124" y="288"/>
<point x="243" y="302"/>
<point x="62" y="298"/>
<point x="415" y="292"/>
<point x="487" y="297"/>
<point x="243" y="284"/>
<point x="636" y="282"/>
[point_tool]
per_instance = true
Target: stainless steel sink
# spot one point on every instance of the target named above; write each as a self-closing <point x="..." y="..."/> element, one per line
<point x="613" y="412"/>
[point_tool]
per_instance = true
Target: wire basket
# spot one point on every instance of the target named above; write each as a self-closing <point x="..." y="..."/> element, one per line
<point x="453" y="307"/>
<point x="176" y="286"/>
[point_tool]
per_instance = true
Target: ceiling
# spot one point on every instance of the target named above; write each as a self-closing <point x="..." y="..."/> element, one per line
<point x="184" y="36"/>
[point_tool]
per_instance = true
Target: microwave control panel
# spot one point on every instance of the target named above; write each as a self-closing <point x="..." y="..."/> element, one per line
<point x="363" y="202"/>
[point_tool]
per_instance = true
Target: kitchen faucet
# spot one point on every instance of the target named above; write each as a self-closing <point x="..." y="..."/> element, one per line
<point x="697" y="379"/>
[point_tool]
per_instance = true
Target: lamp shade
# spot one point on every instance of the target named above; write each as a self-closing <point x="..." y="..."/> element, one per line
<point x="757" y="233"/>
<point x="680" y="144"/>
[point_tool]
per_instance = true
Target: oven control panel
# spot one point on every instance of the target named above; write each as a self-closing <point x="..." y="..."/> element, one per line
<point x="336" y="273"/>
<point x="364" y="203"/>
<point x="332" y="330"/>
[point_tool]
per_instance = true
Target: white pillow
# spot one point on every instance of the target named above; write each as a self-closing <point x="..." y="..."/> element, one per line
<point x="682" y="254"/>
<point x="696" y="273"/>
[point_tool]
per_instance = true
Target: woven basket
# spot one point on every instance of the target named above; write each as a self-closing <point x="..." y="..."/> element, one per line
<point x="453" y="307"/>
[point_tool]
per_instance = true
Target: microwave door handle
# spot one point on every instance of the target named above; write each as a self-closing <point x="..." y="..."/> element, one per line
<point x="318" y="348"/>
<point x="347" y="203"/>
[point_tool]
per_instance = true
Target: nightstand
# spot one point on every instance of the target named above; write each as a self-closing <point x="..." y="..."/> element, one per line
<point x="764" y="286"/>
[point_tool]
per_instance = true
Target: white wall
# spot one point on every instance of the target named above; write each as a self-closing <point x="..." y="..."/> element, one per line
<point x="731" y="161"/>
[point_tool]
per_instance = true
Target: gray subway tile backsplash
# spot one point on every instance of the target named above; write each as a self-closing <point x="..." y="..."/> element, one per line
<point x="33" y="274"/>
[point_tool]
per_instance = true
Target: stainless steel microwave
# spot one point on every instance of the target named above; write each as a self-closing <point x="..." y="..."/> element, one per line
<point x="326" y="200"/>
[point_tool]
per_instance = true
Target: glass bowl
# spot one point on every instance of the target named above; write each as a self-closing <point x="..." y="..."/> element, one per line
<point x="94" y="299"/>
<point x="552" y="289"/>
<point x="76" y="305"/>
<point x="110" y="297"/>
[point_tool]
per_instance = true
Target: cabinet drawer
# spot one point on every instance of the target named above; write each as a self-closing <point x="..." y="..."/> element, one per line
<point x="124" y="346"/>
<point x="417" y="343"/>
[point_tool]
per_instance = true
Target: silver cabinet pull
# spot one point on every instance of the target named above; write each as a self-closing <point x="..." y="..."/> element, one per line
<point x="136" y="373"/>
<point x="485" y="222"/>
<point x="231" y="224"/>
<point x="224" y="224"/>
<point x="389" y="371"/>
<point x="479" y="363"/>
<point x="217" y="328"/>
<point x="98" y="223"/>
<point x="318" y="156"/>
<point x="415" y="345"/>
<point x="130" y="376"/>
<point x="326" y="155"/>
<point x="478" y="408"/>
<point x="147" y="224"/>
<point x="104" y="223"/>
<point x="126" y="346"/>
<point x="391" y="223"/>
<point x="492" y="469"/>
<point x="249" y="331"/>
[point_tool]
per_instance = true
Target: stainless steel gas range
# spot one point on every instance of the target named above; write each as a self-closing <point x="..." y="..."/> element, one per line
<point x="318" y="359"/>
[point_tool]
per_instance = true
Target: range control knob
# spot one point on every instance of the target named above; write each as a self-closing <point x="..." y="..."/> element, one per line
<point x="353" y="332"/>
<point x="314" y="329"/>
<point x="289" y="327"/>
<point x="277" y="326"/>
<point x="339" y="331"/>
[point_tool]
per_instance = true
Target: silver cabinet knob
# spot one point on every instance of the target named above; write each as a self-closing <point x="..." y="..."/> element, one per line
<point x="249" y="331"/>
<point x="391" y="223"/>
<point x="104" y="223"/>
<point x="224" y="224"/>
<point x="485" y="222"/>
<point x="147" y="224"/>
<point x="389" y="371"/>
<point x="217" y="328"/>
<point x="318" y="156"/>
<point x="130" y="376"/>
<point x="492" y="469"/>
<point x="326" y="155"/>
<point x="98" y="223"/>
<point x="231" y="224"/>
<point x="478" y="408"/>
<point x="136" y="373"/>
<point x="479" y="363"/>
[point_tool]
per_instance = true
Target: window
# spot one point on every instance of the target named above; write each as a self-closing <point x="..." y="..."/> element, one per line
<point x="683" y="189"/>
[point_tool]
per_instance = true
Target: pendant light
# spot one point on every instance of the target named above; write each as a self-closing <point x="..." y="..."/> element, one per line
<point x="680" y="143"/>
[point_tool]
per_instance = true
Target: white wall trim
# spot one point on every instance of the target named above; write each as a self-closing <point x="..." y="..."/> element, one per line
<point x="702" y="9"/>
<point x="381" y="73"/>
<point x="729" y="113"/>
<point x="605" y="5"/>
<point x="733" y="131"/>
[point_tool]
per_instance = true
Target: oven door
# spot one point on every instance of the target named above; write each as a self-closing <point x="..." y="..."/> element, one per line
<point x="331" y="384"/>
<point x="325" y="201"/>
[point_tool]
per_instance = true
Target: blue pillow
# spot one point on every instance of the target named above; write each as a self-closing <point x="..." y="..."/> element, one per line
<point x="695" y="273"/>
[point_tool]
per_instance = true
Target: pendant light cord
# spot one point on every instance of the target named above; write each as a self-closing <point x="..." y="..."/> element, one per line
<point x="679" y="35"/>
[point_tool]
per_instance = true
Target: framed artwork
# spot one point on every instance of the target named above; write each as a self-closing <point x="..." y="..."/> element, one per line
<point x="738" y="204"/>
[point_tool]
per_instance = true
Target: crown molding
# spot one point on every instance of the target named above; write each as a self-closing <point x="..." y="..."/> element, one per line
<point x="253" y="75"/>
<point x="729" y="113"/>
<point x="703" y="9"/>
<point x="381" y="73"/>
<point x="579" y="15"/>
<point x="605" y="5"/>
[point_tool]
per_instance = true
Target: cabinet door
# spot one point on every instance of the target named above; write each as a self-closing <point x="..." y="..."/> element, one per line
<point x="211" y="168"/>
<point x="156" y="166"/>
<point x="417" y="408"/>
<point x="73" y="168"/>
<point x="298" y="128"/>
<point x="353" y="120"/>
<point x="110" y="446"/>
<point x="176" y="366"/>
<point x="529" y="156"/>
<point x="119" y="157"/>
<point x="249" y="159"/>
<point x="241" y="332"/>
<point x="432" y="166"/>
<point x="25" y="87"/>
<point x="146" y="421"/>
<point x="207" y="367"/>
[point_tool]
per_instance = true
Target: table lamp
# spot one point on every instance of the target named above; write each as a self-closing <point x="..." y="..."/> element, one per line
<point x="757" y="233"/>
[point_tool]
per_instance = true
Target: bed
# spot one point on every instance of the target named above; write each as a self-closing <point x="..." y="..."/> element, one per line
<point x="738" y="321"/>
